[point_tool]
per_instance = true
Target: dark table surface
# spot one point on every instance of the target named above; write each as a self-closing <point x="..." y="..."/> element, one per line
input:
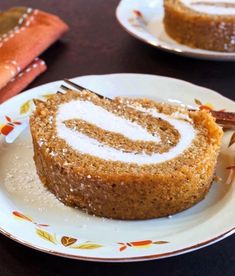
<point x="96" y="44"/>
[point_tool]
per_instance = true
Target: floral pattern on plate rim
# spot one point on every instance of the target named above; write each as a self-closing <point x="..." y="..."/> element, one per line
<point x="24" y="112"/>
<point x="9" y="125"/>
<point x="74" y="243"/>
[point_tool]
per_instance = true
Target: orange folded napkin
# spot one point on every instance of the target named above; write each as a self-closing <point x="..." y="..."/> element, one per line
<point x="24" y="34"/>
<point x="23" y="79"/>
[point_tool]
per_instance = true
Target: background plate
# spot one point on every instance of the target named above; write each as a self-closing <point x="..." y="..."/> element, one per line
<point x="143" y="20"/>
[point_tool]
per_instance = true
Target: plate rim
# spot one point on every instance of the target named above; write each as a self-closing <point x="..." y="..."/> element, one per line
<point x="208" y="90"/>
<point x="210" y="55"/>
<point x="124" y="259"/>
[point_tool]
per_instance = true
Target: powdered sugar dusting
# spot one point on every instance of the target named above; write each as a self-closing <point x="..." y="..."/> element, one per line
<point x="22" y="181"/>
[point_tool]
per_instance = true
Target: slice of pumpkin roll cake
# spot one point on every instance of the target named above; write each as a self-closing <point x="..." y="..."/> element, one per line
<point x="124" y="158"/>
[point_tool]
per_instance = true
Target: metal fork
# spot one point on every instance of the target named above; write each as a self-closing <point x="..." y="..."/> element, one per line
<point x="80" y="88"/>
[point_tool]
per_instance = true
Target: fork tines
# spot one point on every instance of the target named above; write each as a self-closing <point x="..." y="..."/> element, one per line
<point x="75" y="85"/>
<point x="80" y="88"/>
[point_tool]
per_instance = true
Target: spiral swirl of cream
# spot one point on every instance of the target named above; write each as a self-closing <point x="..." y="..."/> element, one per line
<point x="97" y="115"/>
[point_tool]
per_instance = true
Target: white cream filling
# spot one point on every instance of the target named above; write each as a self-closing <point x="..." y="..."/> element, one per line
<point x="94" y="114"/>
<point x="219" y="7"/>
<point x="106" y="120"/>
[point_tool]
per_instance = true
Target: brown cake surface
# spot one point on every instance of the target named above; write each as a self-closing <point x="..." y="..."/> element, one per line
<point x="204" y="24"/>
<point x="125" y="158"/>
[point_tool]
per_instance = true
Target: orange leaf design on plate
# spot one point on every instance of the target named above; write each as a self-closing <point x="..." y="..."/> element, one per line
<point x="21" y="216"/>
<point x="122" y="248"/>
<point x="135" y="244"/>
<point x="46" y="235"/>
<point x="6" y="129"/>
<point x="67" y="241"/>
<point x="25" y="107"/>
<point x="140" y="243"/>
<point x="232" y="140"/>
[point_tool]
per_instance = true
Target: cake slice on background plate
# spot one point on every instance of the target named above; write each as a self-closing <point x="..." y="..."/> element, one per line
<point x="208" y="25"/>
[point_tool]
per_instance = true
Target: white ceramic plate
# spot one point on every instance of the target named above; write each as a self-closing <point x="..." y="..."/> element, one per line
<point x="143" y="19"/>
<point x="31" y="215"/>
